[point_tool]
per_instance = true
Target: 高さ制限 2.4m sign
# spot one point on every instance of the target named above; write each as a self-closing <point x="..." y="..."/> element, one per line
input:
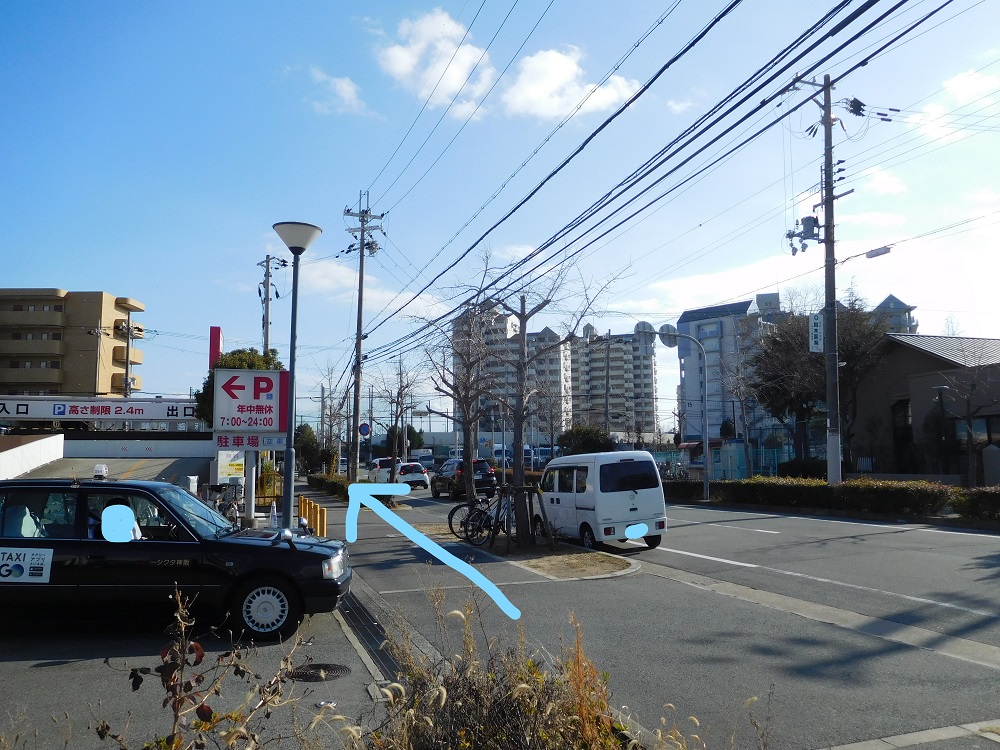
<point x="251" y="401"/>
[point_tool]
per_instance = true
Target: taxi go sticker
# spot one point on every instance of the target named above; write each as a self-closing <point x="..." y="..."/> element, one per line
<point x="25" y="565"/>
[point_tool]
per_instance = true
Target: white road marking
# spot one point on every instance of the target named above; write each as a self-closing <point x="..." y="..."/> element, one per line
<point x="703" y="557"/>
<point x="817" y="579"/>
<point x="918" y="599"/>
<point x="720" y="525"/>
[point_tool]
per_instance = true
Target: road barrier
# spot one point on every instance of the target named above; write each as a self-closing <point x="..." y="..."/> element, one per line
<point x="314" y="513"/>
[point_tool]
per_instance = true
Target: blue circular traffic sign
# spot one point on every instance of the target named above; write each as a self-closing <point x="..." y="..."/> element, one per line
<point x="364" y="429"/>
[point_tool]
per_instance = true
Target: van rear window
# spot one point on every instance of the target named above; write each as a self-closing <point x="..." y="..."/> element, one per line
<point x="629" y="475"/>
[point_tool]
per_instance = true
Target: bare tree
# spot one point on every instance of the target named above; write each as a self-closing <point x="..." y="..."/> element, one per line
<point x="520" y="402"/>
<point x="458" y="364"/>
<point x="398" y="391"/>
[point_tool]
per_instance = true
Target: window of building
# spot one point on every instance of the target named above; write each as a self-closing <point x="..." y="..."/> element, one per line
<point x="16" y="336"/>
<point x="30" y="308"/>
<point x="57" y="308"/>
<point x="14" y="364"/>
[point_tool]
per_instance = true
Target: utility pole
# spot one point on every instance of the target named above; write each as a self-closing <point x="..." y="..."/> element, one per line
<point x="810" y="232"/>
<point x="830" y="334"/>
<point x="264" y="290"/>
<point x="364" y="216"/>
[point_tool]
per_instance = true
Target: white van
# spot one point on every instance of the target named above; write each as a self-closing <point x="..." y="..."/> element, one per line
<point x="596" y="496"/>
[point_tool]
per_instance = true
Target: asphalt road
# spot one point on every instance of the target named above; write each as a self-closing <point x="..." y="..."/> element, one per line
<point x="864" y="630"/>
<point x="858" y="630"/>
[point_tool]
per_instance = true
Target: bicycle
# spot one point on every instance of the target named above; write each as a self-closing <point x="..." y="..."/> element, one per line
<point x="458" y="517"/>
<point x="485" y="522"/>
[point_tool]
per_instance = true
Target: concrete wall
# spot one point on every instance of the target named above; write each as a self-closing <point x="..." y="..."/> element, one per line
<point x="139" y="449"/>
<point x="23" y="453"/>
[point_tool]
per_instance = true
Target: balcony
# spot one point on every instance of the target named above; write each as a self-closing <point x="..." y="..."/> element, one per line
<point x="135" y="355"/>
<point x="118" y="382"/>
<point x="30" y="377"/>
<point x="32" y="319"/>
<point x="33" y="347"/>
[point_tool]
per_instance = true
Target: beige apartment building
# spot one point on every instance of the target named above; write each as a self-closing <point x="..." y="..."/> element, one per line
<point x="54" y="342"/>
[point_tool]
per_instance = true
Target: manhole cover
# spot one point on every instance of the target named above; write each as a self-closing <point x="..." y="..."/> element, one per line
<point x="319" y="672"/>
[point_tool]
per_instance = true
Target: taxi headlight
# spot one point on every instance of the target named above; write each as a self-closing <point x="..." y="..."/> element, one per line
<point x="334" y="567"/>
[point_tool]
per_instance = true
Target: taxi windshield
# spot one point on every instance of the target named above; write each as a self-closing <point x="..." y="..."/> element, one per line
<point x="206" y="522"/>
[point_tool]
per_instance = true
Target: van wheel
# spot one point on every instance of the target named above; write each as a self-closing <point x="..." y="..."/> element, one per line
<point x="587" y="537"/>
<point x="652" y="541"/>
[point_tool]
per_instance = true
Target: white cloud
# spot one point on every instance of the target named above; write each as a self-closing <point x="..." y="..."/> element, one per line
<point x="970" y="86"/>
<point x="884" y="182"/>
<point x="984" y="195"/>
<point x="549" y="84"/>
<point x="677" y="107"/>
<point x="429" y="63"/>
<point x="940" y="121"/>
<point x="342" y="95"/>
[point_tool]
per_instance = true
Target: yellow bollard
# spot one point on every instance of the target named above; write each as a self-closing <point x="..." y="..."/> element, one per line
<point x="314" y="517"/>
<point x="321" y="529"/>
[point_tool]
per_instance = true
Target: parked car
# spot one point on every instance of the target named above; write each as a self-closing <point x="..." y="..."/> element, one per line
<point x="93" y="542"/>
<point x="413" y="474"/>
<point x="449" y="480"/>
<point x="597" y="496"/>
<point x="380" y="469"/>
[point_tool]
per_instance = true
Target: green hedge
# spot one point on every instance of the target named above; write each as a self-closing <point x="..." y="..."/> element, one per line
<point x="335" y="485"/>
<point x="804" y="468"/>
<point x="857" y="495"/>
<point x="785" y="491"/>
<point x="978" y="502"/>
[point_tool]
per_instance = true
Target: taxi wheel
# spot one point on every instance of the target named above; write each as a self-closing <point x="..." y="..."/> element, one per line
<point x="266" y="609"/>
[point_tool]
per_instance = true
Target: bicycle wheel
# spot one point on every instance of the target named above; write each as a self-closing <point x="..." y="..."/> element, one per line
<point x="457" y="518"/>
<point x="478" y="527"/>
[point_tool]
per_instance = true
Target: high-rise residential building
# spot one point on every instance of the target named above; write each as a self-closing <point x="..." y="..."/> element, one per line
<point x="725" y="332"/>
<point x="54" y="342"/>
<point x="568" y="381"/>
<point x="614" y="382"/>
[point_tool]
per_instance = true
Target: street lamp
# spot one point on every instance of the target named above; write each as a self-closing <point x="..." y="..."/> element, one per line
<point x="297" y="236"/>
<point x="668" y="337"/>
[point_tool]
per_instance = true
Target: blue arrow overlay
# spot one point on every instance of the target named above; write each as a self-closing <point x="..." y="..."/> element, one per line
<point x="361" y="494"/>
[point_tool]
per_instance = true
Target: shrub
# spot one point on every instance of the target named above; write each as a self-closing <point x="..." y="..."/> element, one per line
<point x="805" y="468"/>
<point x="978" y="502"/>
<point x="789" y="492"/>
<point x="684" y="489"/>
<point x="882" y="496"/>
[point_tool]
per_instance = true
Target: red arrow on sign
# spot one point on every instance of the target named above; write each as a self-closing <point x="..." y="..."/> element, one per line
<point x="230" y="385"/>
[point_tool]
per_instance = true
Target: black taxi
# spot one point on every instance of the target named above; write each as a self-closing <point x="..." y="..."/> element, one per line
<point x="64" y="541"/>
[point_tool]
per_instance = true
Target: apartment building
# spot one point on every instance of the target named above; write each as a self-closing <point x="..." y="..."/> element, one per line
<point x="898" y="315"/>
<point x="573" y="382"/>
<point x="725" y="332"/>
<point x="55" y="342"/>
<point x="614" y="382"/>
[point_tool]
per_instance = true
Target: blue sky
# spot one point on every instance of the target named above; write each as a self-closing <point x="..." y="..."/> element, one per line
<point x="147" y="149"/>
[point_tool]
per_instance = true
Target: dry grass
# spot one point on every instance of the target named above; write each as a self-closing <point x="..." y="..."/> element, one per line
<point x="566" y="561"/>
